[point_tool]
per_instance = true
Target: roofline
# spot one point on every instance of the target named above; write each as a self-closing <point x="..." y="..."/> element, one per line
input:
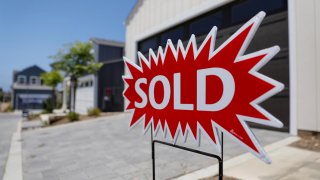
<point x="18" y="71"/>
<point x="132" y="12"/>
<point x="101" y="41"/>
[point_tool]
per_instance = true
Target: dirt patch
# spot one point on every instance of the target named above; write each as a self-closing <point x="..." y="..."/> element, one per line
<point x="65" y="120"/>
<point x="309" y="141"/>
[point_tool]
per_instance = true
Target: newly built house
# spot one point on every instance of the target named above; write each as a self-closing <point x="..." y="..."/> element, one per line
<point x="28" y="91"/>
<point x="291" y="24"/>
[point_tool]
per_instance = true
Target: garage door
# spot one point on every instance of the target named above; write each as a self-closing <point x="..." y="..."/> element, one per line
<point x="273" y="31"/>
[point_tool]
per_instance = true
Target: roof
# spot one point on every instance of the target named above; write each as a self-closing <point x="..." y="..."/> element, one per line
<point x="101" y="41"/>
<point x="133" y="11"/>
<point x="29" y="67"/>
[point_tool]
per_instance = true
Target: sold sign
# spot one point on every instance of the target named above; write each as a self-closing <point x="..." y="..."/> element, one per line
<point x="203" y="89"/>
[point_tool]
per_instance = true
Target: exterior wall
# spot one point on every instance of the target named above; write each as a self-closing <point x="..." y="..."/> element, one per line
<point x="16" y="101"/>
<point x="33" y="71"/>
<point x="304" y="27"/>
<point x="307" y="55"/>
<point x="85" y="94"/>
<point x="152" y="17"/>
<point x="109" y="78"/>
<point x="29" y="95"/>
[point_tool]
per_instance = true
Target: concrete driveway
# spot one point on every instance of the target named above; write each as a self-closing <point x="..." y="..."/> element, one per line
<point x="105" y="149"/>
<point x="8" y="125"/>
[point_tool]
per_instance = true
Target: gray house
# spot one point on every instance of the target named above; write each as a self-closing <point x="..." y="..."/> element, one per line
<point x="28" y="92"/>
<point x="104" y="89"/>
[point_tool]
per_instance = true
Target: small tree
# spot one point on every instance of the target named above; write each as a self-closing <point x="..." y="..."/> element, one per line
<point x="52" y="79"/>
<point x="77" y="60"/>
<point x="1" y="95"/>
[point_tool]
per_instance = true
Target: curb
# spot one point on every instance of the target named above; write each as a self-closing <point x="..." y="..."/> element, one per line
<point x="213" y="170"/>
<point x="93" y="119"/>
<point x="13" y="169"/>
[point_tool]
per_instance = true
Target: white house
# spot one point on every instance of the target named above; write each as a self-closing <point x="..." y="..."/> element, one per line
<point x="294" y="25"/>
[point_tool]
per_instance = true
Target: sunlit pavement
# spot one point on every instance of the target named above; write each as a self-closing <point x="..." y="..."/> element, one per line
<point x="105" y="149"/>
<point x="8" y="125"/>
<point x="288" y="163"/>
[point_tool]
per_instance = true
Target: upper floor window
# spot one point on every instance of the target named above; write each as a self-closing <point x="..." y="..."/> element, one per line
<point x="21" y="79"/>
<point x="34" y="80"/>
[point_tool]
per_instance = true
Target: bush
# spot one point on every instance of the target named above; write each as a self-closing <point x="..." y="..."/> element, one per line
<point x="73" y="116"/>
<point x="33" y="116"/>
<point x="44" y="112"/>
<point x="94" y="112"/>
<point x="8" y="108"/>
<point x="47" y="106"/>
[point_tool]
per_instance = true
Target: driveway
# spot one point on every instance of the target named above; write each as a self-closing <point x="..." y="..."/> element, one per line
<point x="105" y="149"/>
<point x="8" y="125"/>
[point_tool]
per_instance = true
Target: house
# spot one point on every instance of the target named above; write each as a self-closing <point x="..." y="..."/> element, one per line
<point x="102" y="90"/>
<point x="28" y="92"/>
<point x="291" y="24"/>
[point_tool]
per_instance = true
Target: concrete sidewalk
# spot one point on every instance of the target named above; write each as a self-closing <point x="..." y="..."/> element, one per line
<point x="289" y="163"/>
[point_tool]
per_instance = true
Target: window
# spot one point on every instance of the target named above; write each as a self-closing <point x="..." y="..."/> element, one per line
<point x="242" y="11"/>
<point x="203" y="25"/>
<point x="148" y="43"/>
<point x="174" y="34"/>
<point x="34" y="80"/>
<point x="226" y="16"/>
<point x="21" y="79"/>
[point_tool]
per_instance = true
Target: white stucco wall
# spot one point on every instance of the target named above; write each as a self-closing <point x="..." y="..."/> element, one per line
<point x="307" y="52"/>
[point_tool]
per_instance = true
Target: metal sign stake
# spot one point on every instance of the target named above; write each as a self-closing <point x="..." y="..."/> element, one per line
<point x="219" y="158"/>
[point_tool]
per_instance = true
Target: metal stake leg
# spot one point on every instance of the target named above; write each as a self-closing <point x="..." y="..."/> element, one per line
<point x="219" y="158"/>
<point x="153" y="158"/>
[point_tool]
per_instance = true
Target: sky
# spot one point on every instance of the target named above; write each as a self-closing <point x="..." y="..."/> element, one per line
<point x="33" y="30"/>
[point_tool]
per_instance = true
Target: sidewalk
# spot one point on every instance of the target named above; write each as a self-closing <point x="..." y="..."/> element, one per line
<point x="288" y="163"/>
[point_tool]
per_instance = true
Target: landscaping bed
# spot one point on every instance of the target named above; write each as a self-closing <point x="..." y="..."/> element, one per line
<point x="309" y="141"/>
<point x="65" y="120"/>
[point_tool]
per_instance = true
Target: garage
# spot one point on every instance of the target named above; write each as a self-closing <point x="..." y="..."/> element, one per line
<point x="228" y="18"/>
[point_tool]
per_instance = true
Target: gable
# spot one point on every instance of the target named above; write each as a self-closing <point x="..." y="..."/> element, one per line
<point x="30" y="71"/>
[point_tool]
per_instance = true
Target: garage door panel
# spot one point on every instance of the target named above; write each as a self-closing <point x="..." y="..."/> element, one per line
<point x="279" y="107"/>
<point x="276" y="69"/>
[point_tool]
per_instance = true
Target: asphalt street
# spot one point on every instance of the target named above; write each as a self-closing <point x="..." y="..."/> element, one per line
<point x="8" y="125"/>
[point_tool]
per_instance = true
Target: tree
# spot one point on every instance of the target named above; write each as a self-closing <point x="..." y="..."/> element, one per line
<point x="76" y="61"/>
<point x="52" y="79"/>
<point x="1" y="94"/>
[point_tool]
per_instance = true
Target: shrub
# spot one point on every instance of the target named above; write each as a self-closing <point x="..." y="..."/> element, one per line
<point x="44" y="112"/>
<point x="48" y="105"/>
<point x="8" y="108"/>
<point x="73" y="116"/>
<point x="94" y="112"/>
<point x="33" y="116"/>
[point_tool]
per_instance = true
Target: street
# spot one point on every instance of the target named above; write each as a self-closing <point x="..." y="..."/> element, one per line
<point x="8" y="125"/>
<point x="105" y="149"/>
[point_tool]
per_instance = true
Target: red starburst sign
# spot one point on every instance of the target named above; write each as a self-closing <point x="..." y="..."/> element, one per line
<point x="203" y="89"/>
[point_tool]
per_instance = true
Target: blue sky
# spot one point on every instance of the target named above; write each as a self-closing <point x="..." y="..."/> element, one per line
<point x="32" y="30"/>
